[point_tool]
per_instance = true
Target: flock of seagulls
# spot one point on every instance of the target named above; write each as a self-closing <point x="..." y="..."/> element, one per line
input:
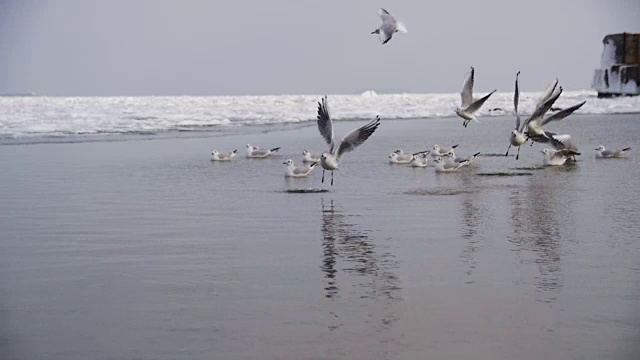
<point x="530" y="130"/>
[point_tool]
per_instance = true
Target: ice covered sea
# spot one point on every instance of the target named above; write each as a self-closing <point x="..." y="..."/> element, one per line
<point x="26" y="118"/>
<point x="124" y="248"/>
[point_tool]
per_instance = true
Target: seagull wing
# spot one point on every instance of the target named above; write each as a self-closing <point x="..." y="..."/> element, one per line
<point x="476" y="105"/>
<point x="356" y="137"/>
<point x="560" y="142"/>
<point x="466" y="94"/>
<point x="516" y="100"/>
<point x="565" y="153"/>
<point x="548" y="92"/>
<point x="562" y="114"/>
<point x="386" y="18"/>
<point x="325" y="124"/>
<point x="539" y="112"/>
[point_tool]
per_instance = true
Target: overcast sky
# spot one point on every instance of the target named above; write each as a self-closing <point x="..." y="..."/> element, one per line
<point x="235" y="47"/>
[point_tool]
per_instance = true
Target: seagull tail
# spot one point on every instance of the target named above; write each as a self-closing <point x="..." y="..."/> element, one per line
<point x="275" y="149"/>
<point x="626" y="149"/>
<point x="400" y="26"/>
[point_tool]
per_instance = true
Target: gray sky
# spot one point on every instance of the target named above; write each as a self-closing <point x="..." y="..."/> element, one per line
<point x="143" y="47"/>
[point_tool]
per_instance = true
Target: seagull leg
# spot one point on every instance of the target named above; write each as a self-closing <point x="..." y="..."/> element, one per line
<point x="507" y="154"/>
<point x="332" y="178"/>
<point x="322" y="176"/>
<point x="518" y="154"/>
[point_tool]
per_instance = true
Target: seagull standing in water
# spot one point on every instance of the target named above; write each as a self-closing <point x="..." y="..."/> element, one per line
<point x="438" y="151"/>
<point x="419" y="160"/>
<point x="517" y="138"/>
<point x="468" y="106"/>
<point x="557" y="157"/>
<point x="350" y="142"/>
<point x="603" y="153"/>
<point x="309" y="157"/>
<point x="298" y="171"/>
<point x="222" y="156"/>
<point x="402" y="158"/>
<point x="442" y="166"/>
<point x="388" y="26"/>
<point x="256" y="152"/>
<point x="461" y="159"/>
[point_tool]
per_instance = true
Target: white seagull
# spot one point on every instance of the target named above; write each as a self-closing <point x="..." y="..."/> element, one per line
<point x="438" y="151"/>
<point x="557" y="157"/>
<point x="310" y="157"/>
<point x="461" y="159"/>
<point x="603" y="153"/>
<point x="222" y="156"/>
<point x="516" y="138"/>
<point x="469" y="106"/>
<point x="329" y="160"/>
<point x="442" y="166"/>
<point x="256" y="152"/>
<point x="419" y="160"/>
<point x="388" y="26"/>
<point x="300" y="171"/>
<point x="399" y="157"/>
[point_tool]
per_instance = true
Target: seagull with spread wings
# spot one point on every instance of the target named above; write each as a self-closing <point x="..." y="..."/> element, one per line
<point x="329" y="160"/>
<point x="469" y="106"/>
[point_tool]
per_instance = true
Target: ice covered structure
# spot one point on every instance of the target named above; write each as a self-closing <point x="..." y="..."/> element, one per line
<point x="619" y="72"/>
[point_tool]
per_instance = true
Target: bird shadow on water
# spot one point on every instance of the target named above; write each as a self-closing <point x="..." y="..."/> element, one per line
<point x="357" y="272"/>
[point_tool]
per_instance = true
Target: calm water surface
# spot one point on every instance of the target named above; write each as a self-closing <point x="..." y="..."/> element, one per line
<point x="144" y="249"/>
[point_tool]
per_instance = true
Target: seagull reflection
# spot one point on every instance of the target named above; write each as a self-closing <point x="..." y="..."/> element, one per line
<point x="471" y="217"/>
<point x="542" y="219"/>
<point x="348" y="250"/>
<point x="359" y="274"/>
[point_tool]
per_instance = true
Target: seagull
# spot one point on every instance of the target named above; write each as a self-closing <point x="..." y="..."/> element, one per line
<point x="557" y="157"/>
<point x="438" y="151"/>
<point x="442" y="166"/>
<point x="517" y="138"/>
<point x="537" y="120"/>
<point x="222" y="156"/>
<point x="388" y="27"/>
<point x="255" y="152"/>
<point x="419" y="160"/>
<point x="301" y="171"/>
<point x="329" y="160"/>
<point x="461" y="159"/>
<point x="402" y="158"/>
<point x="469" y="107"/>
<point x="310" y="157"/>
<point x="601" y="152"/>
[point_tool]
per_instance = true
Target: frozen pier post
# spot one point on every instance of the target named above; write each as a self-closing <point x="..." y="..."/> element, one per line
<point x="619" y="72"/>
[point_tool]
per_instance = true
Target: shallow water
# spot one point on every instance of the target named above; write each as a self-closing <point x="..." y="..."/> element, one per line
<point x="146" y="249"/>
